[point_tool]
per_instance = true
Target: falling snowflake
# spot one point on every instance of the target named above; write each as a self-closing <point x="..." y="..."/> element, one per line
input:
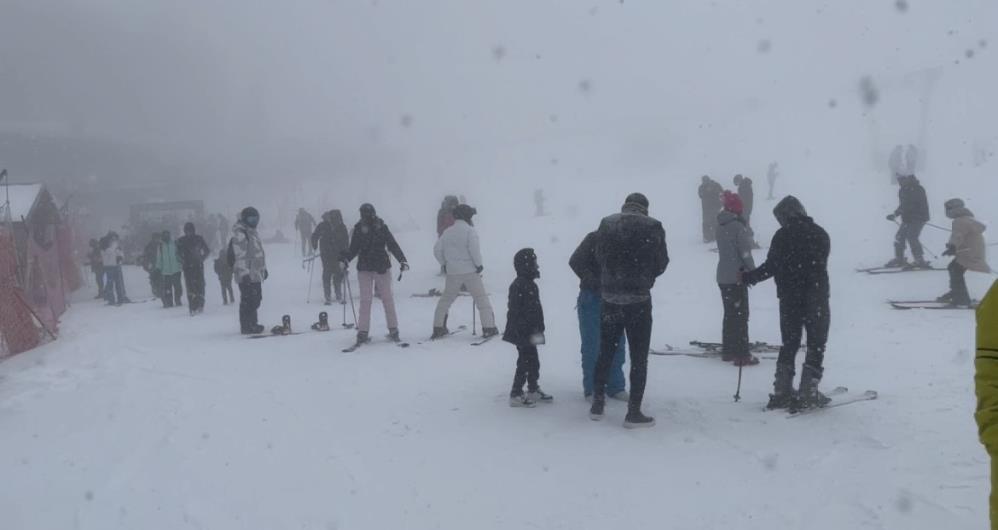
<point x="832" y="103"/>
<point x="498" y="53"/>
<point x="969" y="54"/>
<point x="764" y="46"/>
<point x="585" y="86"/>
<point x="868" y="91"/>
<point x="901" y="6"/>
<point x="406" y="121"/>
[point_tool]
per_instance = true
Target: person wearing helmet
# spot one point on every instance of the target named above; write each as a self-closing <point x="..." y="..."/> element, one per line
<point x="458" y="252"/>
<point x="632" y="254"/>
<point x="370" y="244"/>
<point x="249" y="267"/>
<point x="798" y="260"/>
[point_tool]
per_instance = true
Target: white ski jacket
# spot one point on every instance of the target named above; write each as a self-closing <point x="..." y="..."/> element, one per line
<point x="458" y="250"/>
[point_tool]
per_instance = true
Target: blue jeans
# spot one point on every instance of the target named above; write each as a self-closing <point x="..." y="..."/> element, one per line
<point x="590" y="308"/>
<point x="114" y="285"/>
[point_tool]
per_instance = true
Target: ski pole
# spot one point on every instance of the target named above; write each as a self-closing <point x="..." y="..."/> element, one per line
<point x="925" y="248"/>
<point x="311" y="269"/>
<point x="944" y="229"/>
<point x="474" y="316"/>
<point x="350" y="294"/>
<point x="738" y="391"/>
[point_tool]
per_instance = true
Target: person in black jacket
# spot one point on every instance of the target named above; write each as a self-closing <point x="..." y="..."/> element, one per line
<point x="192" y="250"/>
<point x="332" y="239"/>
<point x="710" y="199"/>
<point x="370" y="244"/>
<point x="747" y="195"/>
<point x="913" y="209"/>
<point x="798" y="260"/>
<point x="149" y="254"/>
<point x="590" y="309"/>
<point x="631" y="252"/>
<point x="525" y="329"/>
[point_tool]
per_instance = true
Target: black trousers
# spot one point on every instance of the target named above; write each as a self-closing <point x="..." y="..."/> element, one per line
<point x="332" y="279"/>
<point x="194" y="280"/>
<point x="99" y="275"/>
<point x="734" y="327"/>
<point x="528" y="370"/>
<point x="156" y="283"/>
<point x="172" y="291"/>
<point x="958" y="283"/>
<point x="710" y="211"/>
<point x="250" y="296"/>
<point x="227" y="295"/>
<point x="797" y="315"/>
<point x="636" y="321"/>
<point x="908" y="233"/>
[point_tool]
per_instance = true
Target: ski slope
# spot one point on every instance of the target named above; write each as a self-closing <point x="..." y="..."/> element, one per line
<point x="142" y="417"/>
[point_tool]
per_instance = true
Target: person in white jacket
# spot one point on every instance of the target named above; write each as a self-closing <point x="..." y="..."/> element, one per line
<point x="458" y="252"/>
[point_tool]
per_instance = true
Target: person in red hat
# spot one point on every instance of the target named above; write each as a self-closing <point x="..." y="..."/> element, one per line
<point x="734" y="250"/>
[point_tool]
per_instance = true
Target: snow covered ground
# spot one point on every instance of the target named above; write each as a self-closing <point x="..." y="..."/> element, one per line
<point x="145" y="418"/>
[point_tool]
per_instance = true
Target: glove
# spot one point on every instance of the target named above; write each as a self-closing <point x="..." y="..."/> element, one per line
<point x="537" y="339"/>
<point x="265" y="274"/>
<point x="950" y="250"/>
<point x="891" y="217"/>
<point x="404" y="266"/>
<point x="479" y="269"/>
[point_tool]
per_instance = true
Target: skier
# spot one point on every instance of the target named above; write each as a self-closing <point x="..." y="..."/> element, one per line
<point x="913" y="209"/>
<point x="149" y="255"/>
<point x="734" y="247"/>
<point x="798" y="259"/>
<point x="747" y="195"/>
<point x="771" y="175"/>
<point x="371" y="237"/>
<point x="631" y="251"/>
<point x="525" y="330"/>
<point x="710" y="200"/>
<point x="590" y="310"/>
<point x="305" y="224"/>
<point x="458" y="253"/>
<point x="224" y="272"/>
<point x="249" y="266"/>
<point x="986" y="383"/>
<point x="332" y="239"/>
<point x="966" y="245"/>
<point x="97" y="266"/>
<point x="112" y="258"/>
<point x="192" y="250"/>
<point x="169" y="267"/>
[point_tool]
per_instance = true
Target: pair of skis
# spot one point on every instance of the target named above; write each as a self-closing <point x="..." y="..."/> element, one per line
<point x="906" y="305"/>
<point x="712" y="350"/>
<point x="897" y="270"/>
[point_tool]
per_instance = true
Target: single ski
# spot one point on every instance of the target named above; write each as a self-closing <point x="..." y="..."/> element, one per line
<point x="267" y="336"/>
<point x="837" y="391"/>
<point x="353" y="348"/>
<point x="908" y="305"/>
<point x="755" y="347"/>
<point x="456" y="330"/>
<point x="897" y="270"/>
<point x="869" y="395"/>
<point x="484" y="340"/>
<point x="699" y="354"/>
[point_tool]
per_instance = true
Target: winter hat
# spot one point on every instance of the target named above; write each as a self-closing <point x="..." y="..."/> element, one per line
<point x="788" y="209"/>
<point x="953" y="204"/>
<point x="367" y="211"/>
<point x="525" y="263"/>
<point x="956" y="208"/>
<point x="638" y="202"/>
<point x="250" y="216"/>
<point x="732" y="202"/>
<point x="738" y="179"/>
<point x="705" y="179"/>
<point x="189" y="229"/>
<point x="451" y="201"/>
<point x="464" y="212"/>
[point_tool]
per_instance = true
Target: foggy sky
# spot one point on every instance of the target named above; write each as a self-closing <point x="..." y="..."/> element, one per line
<point x="454" y="89"/>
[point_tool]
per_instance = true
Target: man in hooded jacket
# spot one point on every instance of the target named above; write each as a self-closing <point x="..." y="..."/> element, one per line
<point x="913" y="209"/>
<point x="249" y="267"/>
<point x="460" y="256"/>
<point x="798" y="260"/>
<point x="710" y="201"/>
<point x="631" y="252"/>
<point x="370" y="244"/>
<point x="305" y="224"/>
<point x="332" y="240"/>
<point x="968" y="248"/>
<point x="192" y="251"/>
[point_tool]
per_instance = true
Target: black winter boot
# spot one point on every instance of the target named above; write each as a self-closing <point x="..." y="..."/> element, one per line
<point x="783" y="388"/>
<point x="596" y="410"/>
<point x="809" y="397"/>
<point x="393" y="335"/>
<point x="637" y="420"/>
<point x="439" y="333"/>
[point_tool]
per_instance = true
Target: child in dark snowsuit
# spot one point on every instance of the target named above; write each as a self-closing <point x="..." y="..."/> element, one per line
<point x="525" y="329"/>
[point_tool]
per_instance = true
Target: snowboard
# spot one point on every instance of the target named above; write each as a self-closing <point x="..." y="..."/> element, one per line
<point x="839" y="399"/>
<point x="929" y="304"/>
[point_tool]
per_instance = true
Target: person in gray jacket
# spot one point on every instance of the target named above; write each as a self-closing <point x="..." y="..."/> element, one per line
<point x="734" y="246"/>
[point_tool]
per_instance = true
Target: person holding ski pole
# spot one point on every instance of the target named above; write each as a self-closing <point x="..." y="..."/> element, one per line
<point x="458" y="252"/>
<point x="798" y="260"/>
<point x="913" y="209"/>
<point x="370" y="244"/>
<point x="734" y="252"/>
<point x="331" y="239"/>
<point x="966" y="245"/>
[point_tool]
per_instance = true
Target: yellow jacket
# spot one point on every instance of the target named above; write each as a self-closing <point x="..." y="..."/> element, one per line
<point x="986" y="368"/>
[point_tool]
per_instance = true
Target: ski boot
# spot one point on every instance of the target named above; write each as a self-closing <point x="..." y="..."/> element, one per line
<point x="596" y="410"/>
<point x="946" y="298"/>
<point x="284" y="328"/>
<point x="439" y="333"/>
<point x="489" y="332"/>
<point x="637" y="420"/>
<point x="362" y="338"/>
<point x="323" y="323"/>
<point x="538" y="396"/>
<point x="393" y="335"/>
<point x="521" y="401"/>
<point x="783" y="392"/>
<point x="745" y="360"/>
<point x="809" y="397"/>
<point x="899" y="262"/>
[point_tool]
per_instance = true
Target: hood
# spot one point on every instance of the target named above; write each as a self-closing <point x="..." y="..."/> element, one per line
<point x="525" y="263"/>
<point x="249" y="217"/>
<point x="189" y="229"/>
<point x="789" y="209"/>
<point x="635" y="203"/>
<point x="450" y="202"/>
<point x="334" y="216"/>
<point x="464" y="212"/>
<point x="367" y="212"/>
<point x="960" y="211"/>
